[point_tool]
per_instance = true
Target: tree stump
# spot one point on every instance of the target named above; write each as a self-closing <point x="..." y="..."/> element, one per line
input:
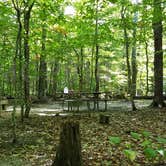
<point x="69" y="150"/>
<point x="104" y="119"/>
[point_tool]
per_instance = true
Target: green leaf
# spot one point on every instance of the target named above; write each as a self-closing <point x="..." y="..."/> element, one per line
<point x="135" y="135"/>
<point x="146" y="134"/>
<point x="113" y="1"/>
<point x="161" y="140"/>
<point x="130" y="154"/>
<point x="162" y="152"/>
<point x="146" y="143"/>
<point x="115" y="140"/>
<point x="150" y="153"/>
<point x="128" y="145"/>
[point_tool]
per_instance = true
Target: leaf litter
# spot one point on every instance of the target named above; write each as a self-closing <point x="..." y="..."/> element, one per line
<point x="38" y="138"/>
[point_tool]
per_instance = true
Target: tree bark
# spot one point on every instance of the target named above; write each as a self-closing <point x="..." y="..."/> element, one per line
<point x="130" y="91"/>
<point x="42" y="70"/>
<point x="69" y="150"/>
<point x="147" y="68"/>
<point x="27" y="12"/>
<point x="80" y="69"/>
<point x="43" y="65"/>
<point x="134" y="57"/>
<point x="55" y="73"/>
<point x="97" y="50"/>
<point x="103" y="119"/>
<point x="158" y="54"/>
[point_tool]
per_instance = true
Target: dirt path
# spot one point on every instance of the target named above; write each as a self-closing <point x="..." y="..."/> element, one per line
<point x="57" y="107"/>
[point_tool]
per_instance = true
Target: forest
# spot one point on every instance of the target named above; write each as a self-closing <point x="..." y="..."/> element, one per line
<point x="82" y="82"/>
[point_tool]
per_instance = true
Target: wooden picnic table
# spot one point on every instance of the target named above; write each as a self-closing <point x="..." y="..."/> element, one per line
<point x="75" y="98"/>
<point x="77" y="102"/>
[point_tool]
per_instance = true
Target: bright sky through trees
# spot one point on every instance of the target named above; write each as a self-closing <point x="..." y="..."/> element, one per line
<point x="136" y="1"/>
<point x="69" y="10"/>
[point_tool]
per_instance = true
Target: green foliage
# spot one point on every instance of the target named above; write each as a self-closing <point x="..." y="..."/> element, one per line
<point x="130" y="154"/>
<point x="115" y="140"/>
<point x="128" y="145"/>
<point x="149" y="147"/>
<point x="14" y="160"/>
<point x="162" y="152"/>
<point x="113" y="1"/>
<point x="161" y="140"/>
<point x="146" y="134"/>
<point x="135" y="135"/>
<point x="66" y="34"/>
<point x="146" y="143"/>
<point x="150" y="153"/>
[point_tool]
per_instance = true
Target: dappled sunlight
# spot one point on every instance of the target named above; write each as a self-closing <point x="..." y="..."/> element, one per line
<point x="46" y="114"/>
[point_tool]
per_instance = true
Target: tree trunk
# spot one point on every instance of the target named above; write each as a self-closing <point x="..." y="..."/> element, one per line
<point x="97" y="69"/>
<point x="147" y="68"/>
<point x="42" y="68"/>
<point x="43" y="65"/>
<point x="55" y="73"/>
<point x="20" y="56"/>
<point x="130" y="91"/>
<point x="97" y="50"/>
<point x="37" y="75"/>
<point x="18" y="91"/>
<point x="133" y="59"/>
<point x="158" y="55"/>
<point x="80" y="70"/>
<point x="27" y="12"/>
<point x="69" y="150"/>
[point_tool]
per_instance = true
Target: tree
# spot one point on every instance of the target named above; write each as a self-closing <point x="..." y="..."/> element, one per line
<point x="43" y="66"/>
<point x="158" y="54"/>
<point x="27" y="11"/>
<point x="134" y="54"/>
<point x="19" y="56"/>
<point x="129" y="71"/>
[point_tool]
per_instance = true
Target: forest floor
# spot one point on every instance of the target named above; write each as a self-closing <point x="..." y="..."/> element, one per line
<point x="143" y="132"/>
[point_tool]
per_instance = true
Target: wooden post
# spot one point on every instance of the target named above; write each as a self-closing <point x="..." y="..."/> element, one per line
<point x="69" y="150"/>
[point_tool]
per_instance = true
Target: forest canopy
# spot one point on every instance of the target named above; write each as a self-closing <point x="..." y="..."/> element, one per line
<point x="80" y="44"/>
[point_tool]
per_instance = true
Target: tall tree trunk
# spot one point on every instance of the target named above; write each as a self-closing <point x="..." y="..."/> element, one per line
<point x="92" y="70"/>
<point x="27" y="12"/>
<point x="127" y="58"/>
<point x="87" y="70"/>
<point x="133" y="59"/>
<point x="54" y="77"/>
<point x="19" y="41"/>
<point x="37" y="75"/>
<point x="18" y="90"/>
<point x="97" y="50"/>
<point x="80" y="69"/>
<point x="14" y="137"/>
<point x="158" y="54"/>
<point x="43" y="68"/>
<point x="68" y="74"/>
<point x="147" y="68"/>
<point x="97" y="69"/>
<point x="51" y="77"/>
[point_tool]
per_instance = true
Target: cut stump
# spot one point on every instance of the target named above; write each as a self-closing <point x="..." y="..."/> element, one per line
<point x="69" y="150"/>
<point x="104" y="119"/>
